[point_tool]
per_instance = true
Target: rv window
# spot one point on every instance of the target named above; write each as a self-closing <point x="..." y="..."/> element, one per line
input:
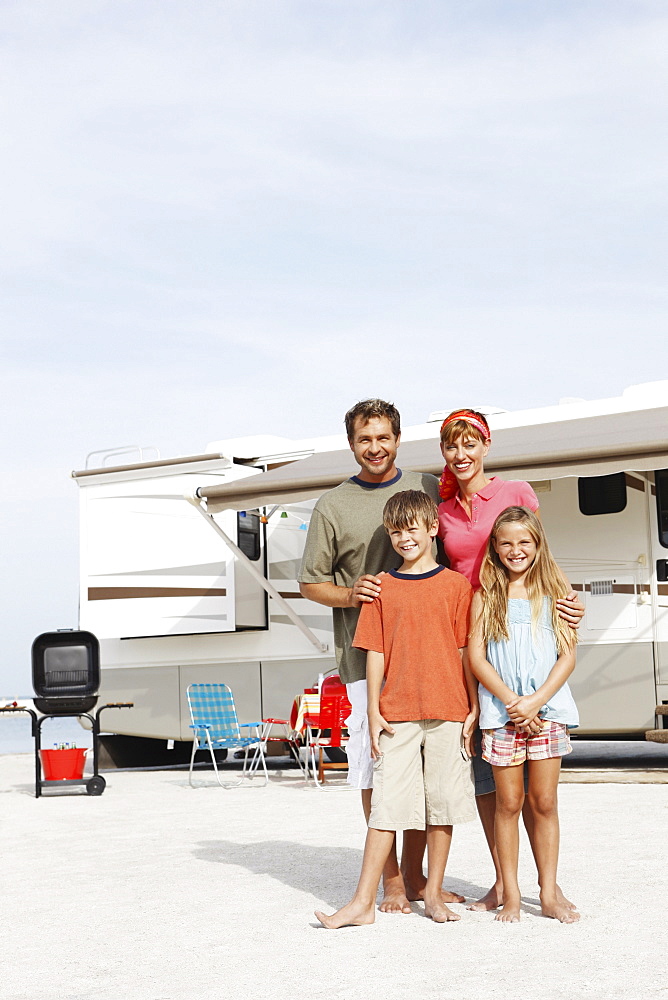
<point x="602" y="494"/>
<point x="248" y="535"/>
<point x="661" y="481"/>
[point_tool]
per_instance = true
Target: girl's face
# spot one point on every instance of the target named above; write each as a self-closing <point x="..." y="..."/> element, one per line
<point x="516" y="548"/>
<point x="465" y="457"/>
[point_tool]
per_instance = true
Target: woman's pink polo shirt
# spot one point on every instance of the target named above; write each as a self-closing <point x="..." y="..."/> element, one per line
<point x="465" y="538"/>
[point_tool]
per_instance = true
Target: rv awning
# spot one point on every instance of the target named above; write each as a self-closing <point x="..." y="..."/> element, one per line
<point x="593" y="446"/>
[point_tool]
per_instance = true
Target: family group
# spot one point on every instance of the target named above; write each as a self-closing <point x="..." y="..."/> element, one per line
<point x="457" y="675"/>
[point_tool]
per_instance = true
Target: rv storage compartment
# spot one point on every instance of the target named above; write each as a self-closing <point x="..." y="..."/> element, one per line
<point x="65" y="672"/>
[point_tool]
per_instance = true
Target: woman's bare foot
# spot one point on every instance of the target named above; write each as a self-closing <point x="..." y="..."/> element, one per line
<point x="394" y="896"/>
<point x="439" y="912"/>
<point x="355" y="914"/>
<point x="490" y="901"/>
<point x="509" y="913"/>
<point x="558" y="911"/>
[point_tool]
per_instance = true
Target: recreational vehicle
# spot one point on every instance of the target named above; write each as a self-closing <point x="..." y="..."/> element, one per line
<point x="189" y="565"/>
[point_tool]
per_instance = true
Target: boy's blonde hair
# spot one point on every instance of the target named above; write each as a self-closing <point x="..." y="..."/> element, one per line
<point x="544" y="579"/>
<point x="408" y="508"/>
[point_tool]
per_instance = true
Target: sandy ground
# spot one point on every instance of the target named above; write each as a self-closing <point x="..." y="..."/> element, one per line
<point x="160" y="892"/>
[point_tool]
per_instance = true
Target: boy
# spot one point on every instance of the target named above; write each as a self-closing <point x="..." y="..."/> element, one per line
<point x="420" y="723"/>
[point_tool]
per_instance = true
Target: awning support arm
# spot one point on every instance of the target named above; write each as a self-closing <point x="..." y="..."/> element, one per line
<point x="259" y="577"/>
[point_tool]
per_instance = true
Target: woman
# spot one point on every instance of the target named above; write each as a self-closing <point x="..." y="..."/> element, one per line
<point x="470" y="503"/>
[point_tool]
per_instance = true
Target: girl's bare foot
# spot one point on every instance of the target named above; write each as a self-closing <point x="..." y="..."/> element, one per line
<point x="490" y="901"/>
<point x="565" y="902"/>
<point x="509" y="913"/>
<point x="558" y="911"/>
<point x="354" y="914"/>
<point x="439" y="912"/>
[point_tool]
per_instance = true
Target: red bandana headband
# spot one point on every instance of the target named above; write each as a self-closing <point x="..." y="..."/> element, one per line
<point x="448" y="485"/>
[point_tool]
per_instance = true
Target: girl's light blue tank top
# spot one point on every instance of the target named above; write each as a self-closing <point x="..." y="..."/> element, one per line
<point x="523" y="662"/>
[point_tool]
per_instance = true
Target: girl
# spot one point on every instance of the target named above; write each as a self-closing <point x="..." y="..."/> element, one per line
<point x="522" y="653"/>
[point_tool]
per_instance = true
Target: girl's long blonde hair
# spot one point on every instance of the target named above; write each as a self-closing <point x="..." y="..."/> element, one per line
<point x="544" y="579"/>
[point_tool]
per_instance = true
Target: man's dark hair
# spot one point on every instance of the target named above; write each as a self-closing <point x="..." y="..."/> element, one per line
<point x="369" y="408"/>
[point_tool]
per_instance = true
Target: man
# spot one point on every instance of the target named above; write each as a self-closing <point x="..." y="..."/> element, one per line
<point x="346" y="548"/>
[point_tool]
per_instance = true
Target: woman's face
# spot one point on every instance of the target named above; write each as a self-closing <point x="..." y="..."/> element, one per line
<point x="465" y="457"/>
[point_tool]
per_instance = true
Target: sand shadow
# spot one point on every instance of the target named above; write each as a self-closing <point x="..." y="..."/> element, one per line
<point x="328" y="873"/>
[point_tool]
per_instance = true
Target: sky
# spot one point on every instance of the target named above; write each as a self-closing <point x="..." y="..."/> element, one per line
<point x="235" y="217"/>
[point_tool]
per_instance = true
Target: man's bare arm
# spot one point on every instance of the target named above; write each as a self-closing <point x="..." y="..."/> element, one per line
<point x="363" y="591"/>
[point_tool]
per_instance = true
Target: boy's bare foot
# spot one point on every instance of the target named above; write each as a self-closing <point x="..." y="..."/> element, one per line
<point x="439" y="912"/>
<point x="490" y="901"/>
<point x="353" y="914"/>
<point x="509" y="913"/>
<point x="395" y="899"/>
<point x="558" y="911"/>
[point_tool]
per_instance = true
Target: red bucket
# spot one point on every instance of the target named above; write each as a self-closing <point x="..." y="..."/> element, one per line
<point x="63" y="765"/>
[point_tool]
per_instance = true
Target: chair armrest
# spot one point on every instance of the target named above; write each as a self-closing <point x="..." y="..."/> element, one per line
<point x="248" y="725"/>
<point x="202" y="725"/>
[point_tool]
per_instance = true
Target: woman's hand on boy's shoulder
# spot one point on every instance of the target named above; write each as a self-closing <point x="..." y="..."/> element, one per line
<point x="571" y="609"/>
<point x="377" y="725"/>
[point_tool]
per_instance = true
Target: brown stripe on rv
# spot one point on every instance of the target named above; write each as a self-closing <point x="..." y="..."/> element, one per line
<point x="634" y="482"/>
<point x="123" y="593"/>
<point x="617" y="588"/>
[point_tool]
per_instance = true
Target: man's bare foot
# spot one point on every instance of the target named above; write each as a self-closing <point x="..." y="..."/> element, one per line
<point x="353" y="914"/>
<point x="490" y="901"/>
<point x="395" y="899"/>
<point x="557" y="910"/>
<point x="415" y="892"/>
<point x="439" y="912"/>
<point x="509" y="913"/>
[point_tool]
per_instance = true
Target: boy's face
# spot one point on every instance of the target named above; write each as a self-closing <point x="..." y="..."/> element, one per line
<point x="414" y="542"/>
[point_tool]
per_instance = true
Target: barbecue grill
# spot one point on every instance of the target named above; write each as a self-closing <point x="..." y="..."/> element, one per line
<point x="66" y="678"/>
<point x="65" y="672"/>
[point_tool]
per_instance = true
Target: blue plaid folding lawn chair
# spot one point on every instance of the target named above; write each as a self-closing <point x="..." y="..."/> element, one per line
<point x="216" y="727"/>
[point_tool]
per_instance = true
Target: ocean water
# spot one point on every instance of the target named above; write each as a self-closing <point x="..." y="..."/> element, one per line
<point x="16" y="734"/>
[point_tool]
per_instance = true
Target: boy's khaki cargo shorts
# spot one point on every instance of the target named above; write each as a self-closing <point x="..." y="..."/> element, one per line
<point x="424" y="777"/>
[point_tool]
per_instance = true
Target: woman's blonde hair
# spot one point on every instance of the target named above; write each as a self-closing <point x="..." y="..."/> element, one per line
<point x="544" y="579"/>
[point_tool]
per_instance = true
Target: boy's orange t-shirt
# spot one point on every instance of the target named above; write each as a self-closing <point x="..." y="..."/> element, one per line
<point x="419" y="622"/>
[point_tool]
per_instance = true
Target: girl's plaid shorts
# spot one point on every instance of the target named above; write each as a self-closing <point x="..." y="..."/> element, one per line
<point x="506" y="747"/>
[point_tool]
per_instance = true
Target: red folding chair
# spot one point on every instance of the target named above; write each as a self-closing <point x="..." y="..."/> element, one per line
<point x="328" y="728"/>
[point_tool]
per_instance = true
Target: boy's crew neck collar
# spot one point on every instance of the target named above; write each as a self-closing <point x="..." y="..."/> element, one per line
<point x="416" y="576"/>
<point x="376" y="486"/>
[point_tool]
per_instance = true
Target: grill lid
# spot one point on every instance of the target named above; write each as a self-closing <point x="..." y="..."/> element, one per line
<point x="65" y="665"/>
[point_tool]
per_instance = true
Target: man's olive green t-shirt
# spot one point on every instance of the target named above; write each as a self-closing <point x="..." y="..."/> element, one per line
<point x="345" y="540"/>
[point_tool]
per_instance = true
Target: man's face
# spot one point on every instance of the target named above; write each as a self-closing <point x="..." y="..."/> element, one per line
<point x="374" y="446"/>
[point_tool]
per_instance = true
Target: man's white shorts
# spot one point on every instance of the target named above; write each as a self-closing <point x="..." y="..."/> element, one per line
<point x="360" y="764"/>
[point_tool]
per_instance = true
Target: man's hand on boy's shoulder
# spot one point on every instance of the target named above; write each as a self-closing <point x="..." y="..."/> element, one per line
<point x="365" y="590"/>
<point x="377" y="725"/>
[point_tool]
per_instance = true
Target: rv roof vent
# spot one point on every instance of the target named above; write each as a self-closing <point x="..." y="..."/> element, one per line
<point x="440" y="415"/>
